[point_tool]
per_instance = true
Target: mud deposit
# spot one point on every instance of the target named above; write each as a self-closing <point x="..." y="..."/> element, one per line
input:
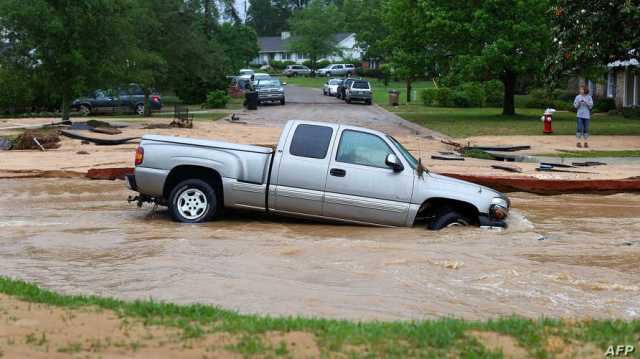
<point x="566" y="256"/>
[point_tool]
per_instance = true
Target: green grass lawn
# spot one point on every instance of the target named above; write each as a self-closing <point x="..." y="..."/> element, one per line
<point x="466" y="122"/>
<point x="589" y="154"/>
<point x="446" y="337"/>
<point x="380" y="91"/>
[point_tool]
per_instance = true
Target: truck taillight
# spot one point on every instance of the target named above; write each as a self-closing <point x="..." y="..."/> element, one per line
<point x="155" y="98"/>
<point x="139" y="156"/>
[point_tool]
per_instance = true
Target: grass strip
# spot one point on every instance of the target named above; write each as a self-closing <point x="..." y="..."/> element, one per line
<point x="428" y="338"/>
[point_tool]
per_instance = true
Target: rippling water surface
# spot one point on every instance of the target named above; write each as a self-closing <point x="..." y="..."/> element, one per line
<point x="570" y="255"/>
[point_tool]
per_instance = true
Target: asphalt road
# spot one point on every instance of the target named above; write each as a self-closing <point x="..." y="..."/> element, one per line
<point x="309" y="104"/>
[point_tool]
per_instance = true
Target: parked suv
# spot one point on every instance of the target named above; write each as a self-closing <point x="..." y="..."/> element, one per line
<point x="296" y="70"/>
<point x="342" y="88"/>
<point x="120" y="100"/>
<point x="270" y="90"/>
<point x="337" y="70"/>
<point x="359" y="90"/>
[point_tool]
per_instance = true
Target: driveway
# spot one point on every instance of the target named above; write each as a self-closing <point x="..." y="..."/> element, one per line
<point x="310" y="104"/>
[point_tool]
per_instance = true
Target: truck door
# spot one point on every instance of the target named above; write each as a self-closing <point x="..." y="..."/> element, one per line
<point x="302" y="171"/>
<point x="361" y="187"/>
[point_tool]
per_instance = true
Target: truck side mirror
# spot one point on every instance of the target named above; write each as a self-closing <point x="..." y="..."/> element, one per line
<point x="393" y="162"/>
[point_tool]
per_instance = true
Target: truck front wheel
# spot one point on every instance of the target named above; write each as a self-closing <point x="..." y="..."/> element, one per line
<point x="446" y="219"/>
<point x="193" y="201"/>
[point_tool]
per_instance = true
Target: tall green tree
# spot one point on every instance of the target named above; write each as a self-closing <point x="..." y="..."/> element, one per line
<point x="311" y="35"/>
<point x="590" y="34"/>
<point x="267" y="17"/>
<point x="74" y="45"/>
<point x="365" y="18"/>
<point x="493" y="39"/>
<point x="407" y="46"/>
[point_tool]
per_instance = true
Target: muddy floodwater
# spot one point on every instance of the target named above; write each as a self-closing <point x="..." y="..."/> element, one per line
<point x="563" y="256"/>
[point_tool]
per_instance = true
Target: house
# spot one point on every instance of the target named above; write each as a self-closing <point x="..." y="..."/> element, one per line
<point x="276" y="48"/>
<point x="621" y="83"/>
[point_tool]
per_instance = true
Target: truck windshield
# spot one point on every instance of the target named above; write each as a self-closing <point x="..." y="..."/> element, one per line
<point x="405" y="153"/>
<point x="269" y="83"/>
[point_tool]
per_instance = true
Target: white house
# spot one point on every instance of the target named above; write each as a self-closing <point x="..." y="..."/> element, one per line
<point x="277" y="48"/>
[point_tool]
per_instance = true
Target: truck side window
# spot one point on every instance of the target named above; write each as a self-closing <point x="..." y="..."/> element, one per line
<point x="362" y="148"/>
<point x="311" y="141"/>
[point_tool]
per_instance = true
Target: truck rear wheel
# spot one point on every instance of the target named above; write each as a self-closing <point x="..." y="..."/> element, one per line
<point x="193" y="201"/>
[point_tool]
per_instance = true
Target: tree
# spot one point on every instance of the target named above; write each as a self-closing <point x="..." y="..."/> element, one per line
<point x="74" y="45"/>
<point x="311" y="35"/>
<point x="495" y="39"/>
<point x="407" y="46"/>
<point x="366" y="19"/>
<point x="240" y="43"/>
<point x="590" y="34"/>
<point x="267" y="17"/>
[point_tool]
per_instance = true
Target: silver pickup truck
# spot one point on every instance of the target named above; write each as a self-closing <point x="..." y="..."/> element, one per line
<point x="317" y="170"/>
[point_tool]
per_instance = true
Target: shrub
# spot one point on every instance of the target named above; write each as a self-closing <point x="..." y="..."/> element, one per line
<point x="443" y="97"/>
<point x="280" y="65"/>
<point x="631" y="112"/>
<point x="436" y="97"/>
<point x="375" y="73"/>
<point x="217" y="99"/>
<point x="460" y="98"/>
<point x="474" y="94"/>
<point x="604" y="105"/>
<point x="428" y="96"/>
<point x="494" y="93"/>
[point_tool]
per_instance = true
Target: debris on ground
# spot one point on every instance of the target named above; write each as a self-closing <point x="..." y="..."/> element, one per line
<point x="588" y="164"/>
<point x="5" y="144"/>
<point x="512" y="169"/>
<point x="499" y="148"/>
<point x="82" y="153"/>
<point x="98" y="141"/>
<point x="236" y="119"/>
<point x="549" y="164"/>
<point x="99" y="124"/>
<point x="546" y="168"/>
<point x="181" y="123"/>
<point x="447" y="158"/>
<point x="106" y="130"/>
<point x="37" y="140"/>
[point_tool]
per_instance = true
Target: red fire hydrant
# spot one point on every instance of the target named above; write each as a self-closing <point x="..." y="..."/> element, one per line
<point x="547" y="118"/>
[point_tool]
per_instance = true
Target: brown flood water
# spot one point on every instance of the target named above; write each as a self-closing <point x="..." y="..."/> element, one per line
<point x="78" y="236"/>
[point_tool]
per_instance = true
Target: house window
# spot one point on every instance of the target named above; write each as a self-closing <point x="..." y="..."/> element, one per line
<point x="636" y="90"/>
<point x="285" y="56"/>
<point x="591" y="87"/>
<point x="611" y="84"/>
<point x="629" y="88"/>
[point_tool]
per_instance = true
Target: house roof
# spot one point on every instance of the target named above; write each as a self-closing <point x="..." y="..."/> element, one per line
<point x="632" y="62"/>
<point x="277" y="44"/>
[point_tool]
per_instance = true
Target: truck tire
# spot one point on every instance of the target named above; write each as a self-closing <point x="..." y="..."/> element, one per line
<point x="282" y="102"/>
<point x="193" y="201"/>
<point x="448" y="218"/>
<point x="140" y="109"/>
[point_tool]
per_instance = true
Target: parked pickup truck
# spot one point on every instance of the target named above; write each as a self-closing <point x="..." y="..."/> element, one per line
<point x="318" y="170"/>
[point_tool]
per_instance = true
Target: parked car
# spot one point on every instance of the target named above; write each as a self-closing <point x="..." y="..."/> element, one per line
<point x="359" y="90"/>
<point x="270" y="90"/>
<point x="258" y="76"/>
<point x="243" y="72"/>
<point x="337" y="70"/>
<point x="330" y="87"/>
<point x="326" y="171"/>
<point x="296" y="70"/>
<point x="120" y="100"/>
<point x="242" y="82"/>
<point x="339" y="88"/>
<point x="342" y="88"/>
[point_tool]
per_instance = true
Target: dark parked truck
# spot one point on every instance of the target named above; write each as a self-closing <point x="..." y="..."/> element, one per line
<point x="130" y="100"/>
<point x="317" y="170"/>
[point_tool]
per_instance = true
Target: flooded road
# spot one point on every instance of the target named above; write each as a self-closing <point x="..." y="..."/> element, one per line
<point x="568" y="256"/>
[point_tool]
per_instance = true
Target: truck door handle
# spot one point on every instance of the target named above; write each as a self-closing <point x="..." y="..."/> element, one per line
<point x="338" y="172"/>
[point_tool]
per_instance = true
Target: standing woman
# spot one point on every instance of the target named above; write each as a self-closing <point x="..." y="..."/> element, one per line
<point x="583" y="103"/>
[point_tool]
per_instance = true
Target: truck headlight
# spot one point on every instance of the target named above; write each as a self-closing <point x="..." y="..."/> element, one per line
<point x="499" y="208"/>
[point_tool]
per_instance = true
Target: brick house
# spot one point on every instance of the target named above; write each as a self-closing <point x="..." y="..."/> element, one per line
<point x="621" y="83"/>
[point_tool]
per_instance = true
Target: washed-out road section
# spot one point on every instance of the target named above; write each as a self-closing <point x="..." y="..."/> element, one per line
<point x="562" y="256"/>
